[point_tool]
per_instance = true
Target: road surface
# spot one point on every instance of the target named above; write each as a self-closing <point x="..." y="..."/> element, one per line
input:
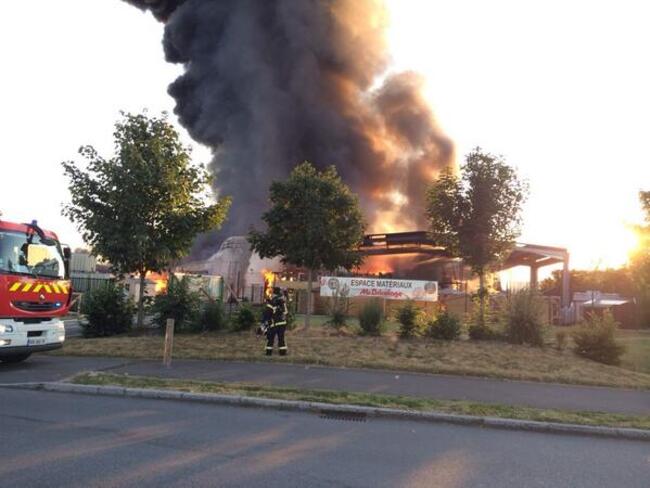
<point x="488" y="390"/>
<point x="53" y="439"/>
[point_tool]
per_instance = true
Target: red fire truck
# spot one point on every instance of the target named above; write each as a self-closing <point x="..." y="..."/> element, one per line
<point x="35" y="290"/>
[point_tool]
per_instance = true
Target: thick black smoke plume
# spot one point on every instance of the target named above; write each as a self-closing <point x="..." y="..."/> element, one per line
<point x="161" y="9"/>
<point x="271" y="83"/>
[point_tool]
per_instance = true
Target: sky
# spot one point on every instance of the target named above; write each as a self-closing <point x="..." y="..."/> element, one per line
<point x="559" y="88"/>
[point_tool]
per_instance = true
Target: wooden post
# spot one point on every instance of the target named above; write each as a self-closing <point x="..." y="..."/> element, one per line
<point x="169" y="343"/>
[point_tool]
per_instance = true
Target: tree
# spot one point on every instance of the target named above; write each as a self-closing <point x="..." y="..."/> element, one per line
<point x="477" y="216"/>
<point x="640" y="264"/>
<point x="610" y="280"/>
<point x="142" y="208"/>
<point x="314" y="222"/>
<point x="644" y="196"/>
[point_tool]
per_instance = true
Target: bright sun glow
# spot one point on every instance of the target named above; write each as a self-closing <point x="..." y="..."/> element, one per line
<point x="612" y="251"/>
<point x="560" y="89"/>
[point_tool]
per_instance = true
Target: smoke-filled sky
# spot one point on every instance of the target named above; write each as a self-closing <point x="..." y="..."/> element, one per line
<point x="271" y="83"/>
<point x="559" y="89"/>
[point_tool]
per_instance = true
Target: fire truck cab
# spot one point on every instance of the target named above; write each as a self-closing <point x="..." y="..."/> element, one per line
<point x="35" y="290"/>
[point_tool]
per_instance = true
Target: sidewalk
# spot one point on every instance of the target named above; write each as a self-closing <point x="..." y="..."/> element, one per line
<point x="444" y="387"/>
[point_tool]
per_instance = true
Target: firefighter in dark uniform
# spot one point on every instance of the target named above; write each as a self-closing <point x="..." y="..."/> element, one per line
<point x="267" y="317"/>
<point x="278" y="305"/>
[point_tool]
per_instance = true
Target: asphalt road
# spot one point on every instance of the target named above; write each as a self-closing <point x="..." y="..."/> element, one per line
<point x="41" y="368"/>
<point x="51" y="439"/>
<point x="542" y="395"/>
<point x="448" y="387"/>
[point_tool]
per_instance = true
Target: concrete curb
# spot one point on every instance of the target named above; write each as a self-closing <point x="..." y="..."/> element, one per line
<point x="317" y="407"/>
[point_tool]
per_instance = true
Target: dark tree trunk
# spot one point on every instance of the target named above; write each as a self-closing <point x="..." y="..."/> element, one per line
<point x="140" y="322"/>
<point x="310" y="277"/>
<point x="482" y="296"/>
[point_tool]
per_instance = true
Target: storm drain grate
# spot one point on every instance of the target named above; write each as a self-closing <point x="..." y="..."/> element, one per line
<point x="347" y="416"/>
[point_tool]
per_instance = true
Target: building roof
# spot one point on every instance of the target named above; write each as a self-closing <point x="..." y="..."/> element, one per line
<point x="417" y="242"/>
<point x="420" y="242"/>
<point x="535" y="255"/>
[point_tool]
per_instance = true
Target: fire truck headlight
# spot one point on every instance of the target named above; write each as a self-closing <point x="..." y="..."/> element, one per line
<point x="6" y="329"/>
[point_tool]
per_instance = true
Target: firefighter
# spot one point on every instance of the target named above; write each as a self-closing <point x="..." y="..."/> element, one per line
<point x="267" y="318"/>
<point x="279" y="324"/>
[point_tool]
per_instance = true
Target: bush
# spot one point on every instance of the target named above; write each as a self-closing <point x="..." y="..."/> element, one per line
<point x="291" y="321"/>
<point x="338" y="310"/>
<point x="484" y="333"/>
<point x="107" y="310"/>
<point x="594" y="339"/>
<point x="561" y="340"/>
<point x="491" y="314"/>
<point x="212" y="316"/>
<point x="371" y="318"/>
<point x="445" y="327"/>
<point x="244" y="319"/>
<point x="338" y="318"/>
<point x="407" y="316"/>
<point x="524" y="318"/>
<point x="178" y="303"/>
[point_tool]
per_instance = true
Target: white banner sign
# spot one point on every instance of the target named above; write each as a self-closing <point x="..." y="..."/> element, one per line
<point x="424" y="291"/>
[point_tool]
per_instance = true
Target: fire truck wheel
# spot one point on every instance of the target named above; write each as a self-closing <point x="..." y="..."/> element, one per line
<point x="15" y="358"/>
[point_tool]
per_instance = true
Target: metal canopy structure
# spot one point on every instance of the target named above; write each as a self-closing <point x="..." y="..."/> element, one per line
<point x="532" y="255"/>
<point x="535" y="257"/>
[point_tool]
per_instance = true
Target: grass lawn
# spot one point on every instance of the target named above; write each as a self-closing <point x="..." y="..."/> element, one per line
<point x="637" y="354"/>
<point x="637" y="347"/>
<point x="373" y="400"/>
<point x="322" y="345"/>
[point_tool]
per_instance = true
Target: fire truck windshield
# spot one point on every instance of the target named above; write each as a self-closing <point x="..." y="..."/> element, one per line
<point x="26" y="254"/>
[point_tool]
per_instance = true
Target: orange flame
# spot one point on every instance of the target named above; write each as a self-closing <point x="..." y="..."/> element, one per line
<point x="160" y="281"/>
<point x="375" y="265"/>
<point x="269" y="280"/>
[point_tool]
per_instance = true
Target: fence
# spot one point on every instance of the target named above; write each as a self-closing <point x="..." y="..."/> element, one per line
<point x="459" y="304"/>
<point x="84" y="284"/>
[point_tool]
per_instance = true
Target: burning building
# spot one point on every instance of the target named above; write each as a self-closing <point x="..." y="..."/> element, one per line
<point x="244" y="273"/>
<point x="268" y="84"/>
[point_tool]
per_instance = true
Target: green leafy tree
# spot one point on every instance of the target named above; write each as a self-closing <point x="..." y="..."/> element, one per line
<point x="477" y="216"/>
<point x="314" y="222"/>
<point x="142" y="208"/>
<point x="610" y="280"/>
